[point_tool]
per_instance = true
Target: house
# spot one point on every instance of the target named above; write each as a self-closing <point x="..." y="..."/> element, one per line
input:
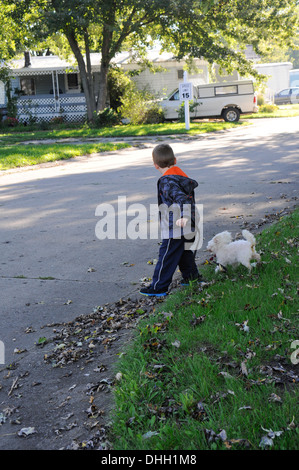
<point x="48" y="87"/>
<point x="278" y="77"/>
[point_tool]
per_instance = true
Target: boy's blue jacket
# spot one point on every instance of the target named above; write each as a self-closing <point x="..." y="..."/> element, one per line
<point x="176" y="190"/>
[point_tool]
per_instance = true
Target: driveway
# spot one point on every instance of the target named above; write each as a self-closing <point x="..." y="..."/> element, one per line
<point x="54" y="268"/>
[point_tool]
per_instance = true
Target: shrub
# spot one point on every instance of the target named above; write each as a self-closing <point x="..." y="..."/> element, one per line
<point x="181" y="110"/>
<point x="11" y="121"/>
<point x="118" y="83"/>
<point x="154" y="114"/>
<point x="43" y="125"/>
<point x="106" y="118"/>
<point x="260" y="99"/>
<point x="268" y="108"/>
<point x="57" y="120"/>
<point x="139" y="107"/>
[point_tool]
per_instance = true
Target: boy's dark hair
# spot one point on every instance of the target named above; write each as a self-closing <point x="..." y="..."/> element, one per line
<point x="163" y="155"/>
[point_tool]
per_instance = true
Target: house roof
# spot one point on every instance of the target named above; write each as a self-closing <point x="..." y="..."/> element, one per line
<point x="46" y="64"/>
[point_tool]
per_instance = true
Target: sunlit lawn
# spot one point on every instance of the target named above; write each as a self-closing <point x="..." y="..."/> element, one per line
<point x="12" y="156"/>
<point x="287" y="110"/>
<point x="18" y="134"/>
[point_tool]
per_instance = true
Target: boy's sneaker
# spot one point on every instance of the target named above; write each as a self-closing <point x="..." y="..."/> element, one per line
<point x="150" y="292"/>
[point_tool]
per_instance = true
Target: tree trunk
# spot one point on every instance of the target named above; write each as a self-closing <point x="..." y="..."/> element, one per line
<point x="103" y="85"/>
<point x="86" y="79"/>
<point x="91" y="90"/>
<point x="105" y="62"/>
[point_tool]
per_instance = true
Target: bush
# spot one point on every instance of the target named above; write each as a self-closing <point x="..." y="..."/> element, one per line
<point x="181" y="110"/>
<point x="139" y="107"/>
<point x="43" y="125"/>
<point x="268" y="108"/>
<point x="106" y="118"/>
<point x="118" y="83"/>
<point x="260" y="100"/>
<point x="154" y="114"/>
<point x="57" y="120"/>
<point x="11" y="122"/>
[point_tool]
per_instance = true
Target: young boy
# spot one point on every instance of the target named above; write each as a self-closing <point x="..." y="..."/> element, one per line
<point x="177" y="216"/>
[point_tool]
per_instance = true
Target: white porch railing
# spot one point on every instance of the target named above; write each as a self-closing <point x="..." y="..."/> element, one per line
<point x="45" y="108"/>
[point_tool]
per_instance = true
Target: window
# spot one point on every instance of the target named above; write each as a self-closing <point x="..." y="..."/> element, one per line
<point x="284" y="92"/>
<point x="72" y="81"/>
<point x="175" y="96"/>
<point x="180" y="74"/>
<point x="27" y="86"/>
<point x="226" y="90"/>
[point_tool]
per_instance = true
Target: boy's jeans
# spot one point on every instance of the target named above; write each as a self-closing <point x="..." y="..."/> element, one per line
<point x="172" y="254"/>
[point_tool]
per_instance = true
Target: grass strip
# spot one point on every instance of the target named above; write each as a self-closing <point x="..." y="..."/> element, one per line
<point x="212" y="368"/>
<point x="18" y="134"/>
<point x="288" y="110"/>
<point x="15" y="135"/>
<point x="22" y="155"/>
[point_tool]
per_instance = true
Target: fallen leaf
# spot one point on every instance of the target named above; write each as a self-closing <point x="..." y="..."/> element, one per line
<point x="244" y="368"/>
<point x="275" y="398"/>
<point x="226" y="375"/>
<point x="197" y="320"/>
<point x="292" y="424"/>
<point x="24" y="432"/>
<point x="19" y="351"/>
<point x="266" y="442"/>
<point x="149" y="434"/>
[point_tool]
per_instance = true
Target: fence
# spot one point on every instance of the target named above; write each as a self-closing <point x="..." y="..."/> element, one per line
<point x="44" y="108"/>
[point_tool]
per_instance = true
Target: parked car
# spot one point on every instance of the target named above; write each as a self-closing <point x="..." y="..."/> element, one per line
<point x="216" y="100"/>
<point x="287" y="96"/>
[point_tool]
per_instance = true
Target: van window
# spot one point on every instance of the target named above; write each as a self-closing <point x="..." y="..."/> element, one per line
<point x="206" y="92"/>
<point x="175" y="96"/>
<point x="226" y="90"/>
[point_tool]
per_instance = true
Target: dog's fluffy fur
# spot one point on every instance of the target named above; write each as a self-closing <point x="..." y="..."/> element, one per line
<point x="233" y="252"/>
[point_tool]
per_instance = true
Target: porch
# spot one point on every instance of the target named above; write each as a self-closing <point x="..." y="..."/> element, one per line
<point x="47" y="88"/>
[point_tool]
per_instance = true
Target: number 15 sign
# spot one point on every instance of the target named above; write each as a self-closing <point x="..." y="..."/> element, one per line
<point x="186" y="91"/>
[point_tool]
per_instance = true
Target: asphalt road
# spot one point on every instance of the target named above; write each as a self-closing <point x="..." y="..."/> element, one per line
<point x="53" y="267"/>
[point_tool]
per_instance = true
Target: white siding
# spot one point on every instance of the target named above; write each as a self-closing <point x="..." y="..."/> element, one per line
<point x="278" y="74"/>
<point x="2" y="93"/>
<point x="164" y="82"/>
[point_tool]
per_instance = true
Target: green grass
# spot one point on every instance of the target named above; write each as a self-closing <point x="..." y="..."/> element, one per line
<point x="12" y="156"/>
<point x="175" y="389"/>
<point x="16" y="135"/>
<point x="287" y="110"/>
<point x="19" y="134"/>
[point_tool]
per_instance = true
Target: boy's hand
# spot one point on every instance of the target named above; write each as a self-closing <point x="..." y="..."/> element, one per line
<point x="182" y="222"/>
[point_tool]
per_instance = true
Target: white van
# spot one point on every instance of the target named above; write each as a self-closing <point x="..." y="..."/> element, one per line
<point x="216" y="100"/>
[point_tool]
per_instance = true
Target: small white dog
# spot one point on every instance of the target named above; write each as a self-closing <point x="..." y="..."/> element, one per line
<point x="233" y="252"/>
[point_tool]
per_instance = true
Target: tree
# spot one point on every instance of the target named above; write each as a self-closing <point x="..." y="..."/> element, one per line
<point x="220" y="30"/>
<point x="217" y="30"/>
<point x="102" y="24"/>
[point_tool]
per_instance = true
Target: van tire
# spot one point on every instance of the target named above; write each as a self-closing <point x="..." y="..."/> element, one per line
<point x="231" y="114"/>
